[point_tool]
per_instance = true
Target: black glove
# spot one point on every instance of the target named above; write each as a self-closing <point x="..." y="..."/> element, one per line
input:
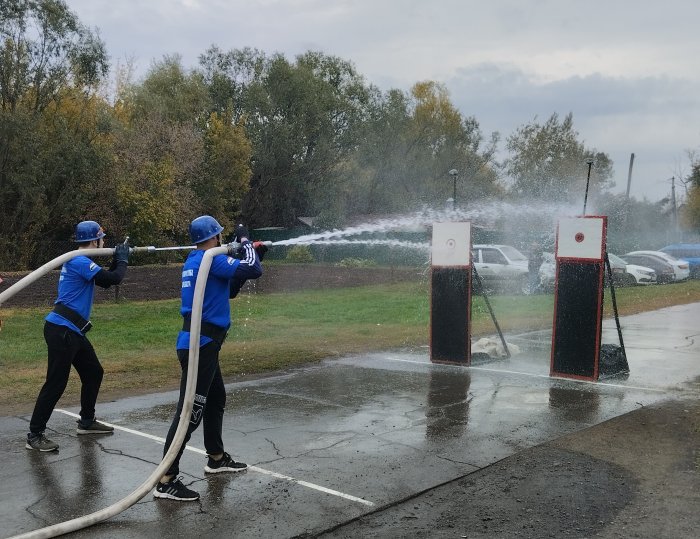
<point x="121" y="253"/>
<point x="239" y="233"/>
<point x="260" y="248"/>
<point x="235" y="286"/>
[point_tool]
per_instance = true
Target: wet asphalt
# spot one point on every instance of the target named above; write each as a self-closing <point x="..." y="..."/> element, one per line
<point x="357" y="436"/>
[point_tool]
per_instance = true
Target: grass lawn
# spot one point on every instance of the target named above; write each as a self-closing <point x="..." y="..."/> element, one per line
<point x="135" y="340"/>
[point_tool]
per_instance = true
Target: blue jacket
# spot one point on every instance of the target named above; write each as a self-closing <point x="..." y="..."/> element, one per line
<point x="216" y="308"/>
<point x="76" y="287"/>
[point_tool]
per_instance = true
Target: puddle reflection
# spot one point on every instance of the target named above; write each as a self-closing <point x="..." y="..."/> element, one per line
<point x="69" y="494"/>
<point x="574" y="404"/>
<point x="448" y="404"/>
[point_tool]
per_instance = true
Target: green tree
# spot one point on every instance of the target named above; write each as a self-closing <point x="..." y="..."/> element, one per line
<point x="690" y="214"/>
<point x="377" y="174"/>
<point x="443" y="140"/>
<point x="173" y="93"/>
<point x="548" y="162"/>
<point x="301" y="119"/>
<point x="44" y="49"/>
<point x="227" y="153"/>
<point x="227" y="76"/>
<point x="409" y="143"/>
<point x="174" y="158"/>
<point x="50" y="118"/>
<point x="156" y="164"/>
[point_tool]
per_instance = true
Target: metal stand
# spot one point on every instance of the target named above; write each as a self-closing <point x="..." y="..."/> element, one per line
<point x="488" y="305"/>
<point x="614" y="303"/>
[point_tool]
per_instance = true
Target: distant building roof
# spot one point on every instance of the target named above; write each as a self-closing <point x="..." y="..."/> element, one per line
<point x="308" y="221"/>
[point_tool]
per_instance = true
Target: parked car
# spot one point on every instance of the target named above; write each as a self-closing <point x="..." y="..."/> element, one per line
<point x="619" y="271"/>
<point x="668" y="269"/>
<point x="501" y="267"/>
<point x="624" y="274"/>
<point x="690" y="252"/>
<point x="633" y="274"/>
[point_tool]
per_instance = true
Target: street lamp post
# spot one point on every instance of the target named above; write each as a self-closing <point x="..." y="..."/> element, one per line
<point x="589" y="162"/>
<point x="453" y="172"/>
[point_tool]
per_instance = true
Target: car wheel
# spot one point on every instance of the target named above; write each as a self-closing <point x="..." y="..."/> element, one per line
<point x="629" y="280"/>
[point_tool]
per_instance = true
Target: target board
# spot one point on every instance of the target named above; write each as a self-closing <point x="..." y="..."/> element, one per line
<point x="450" y="293"/>
<point x="578" y="297"/>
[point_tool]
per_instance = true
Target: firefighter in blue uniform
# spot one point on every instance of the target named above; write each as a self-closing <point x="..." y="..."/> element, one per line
<point x="226" y="276"/>
<point x="65" y="331"/>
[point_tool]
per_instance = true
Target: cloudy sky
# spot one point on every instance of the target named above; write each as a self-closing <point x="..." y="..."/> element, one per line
<point x="628" y="70"/>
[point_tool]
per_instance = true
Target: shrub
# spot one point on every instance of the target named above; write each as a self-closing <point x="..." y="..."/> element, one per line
<point x="300" y="254"/>
<point x="356" y="263"/>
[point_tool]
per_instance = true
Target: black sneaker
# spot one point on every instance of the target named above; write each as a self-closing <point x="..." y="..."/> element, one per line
<point x="224" y="464"/>
<point x="94" y="428"/>
<point x="175" y="490"/>
<point x="39" y="442"/>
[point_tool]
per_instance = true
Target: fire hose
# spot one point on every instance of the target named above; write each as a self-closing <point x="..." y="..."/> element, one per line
<point x="195" y="330"/>
<point x="58" y="261"/>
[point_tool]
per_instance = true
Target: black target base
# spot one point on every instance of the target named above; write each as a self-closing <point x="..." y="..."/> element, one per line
<point x="450" y="315"/>
<point x="578" y="316"/>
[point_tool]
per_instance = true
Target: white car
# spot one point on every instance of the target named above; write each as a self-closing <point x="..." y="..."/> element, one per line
<point x="501" y="266"/>
<point x="623" y="273"/>
<point x="668" y="269"/>
<point x="634" y="274"/>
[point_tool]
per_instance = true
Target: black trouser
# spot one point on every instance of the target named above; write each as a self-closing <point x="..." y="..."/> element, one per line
<point x="209" y="403"/>
<point x="67" y="348"/>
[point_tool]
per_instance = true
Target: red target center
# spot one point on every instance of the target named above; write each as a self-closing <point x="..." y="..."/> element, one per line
<point x="579" y="237"/>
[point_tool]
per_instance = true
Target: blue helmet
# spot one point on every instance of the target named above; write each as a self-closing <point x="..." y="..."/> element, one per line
<point x="88" y="231"/>
<point x="204" y="228"/>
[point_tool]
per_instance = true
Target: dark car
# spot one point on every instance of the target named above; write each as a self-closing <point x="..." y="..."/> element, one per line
<point x="690" y="252"/>
<point x="665" y="270"/>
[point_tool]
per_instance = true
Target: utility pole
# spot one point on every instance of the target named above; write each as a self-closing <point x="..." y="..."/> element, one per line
<point x="629" y="175"/>
<point x="675" y="209"/>
<point x="453" y="172"/>
<point x="589" y="162"/>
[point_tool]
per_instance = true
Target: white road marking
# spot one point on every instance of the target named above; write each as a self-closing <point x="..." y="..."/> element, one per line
<point x="533" y="375"/>
<point x="252" y="468"/>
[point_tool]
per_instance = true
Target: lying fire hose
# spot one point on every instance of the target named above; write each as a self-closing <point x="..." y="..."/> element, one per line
<point x="195" y="329"/>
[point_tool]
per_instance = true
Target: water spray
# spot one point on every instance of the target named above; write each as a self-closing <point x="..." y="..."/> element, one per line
<point x="487" y="214"/>
<point x="384" y="243"/>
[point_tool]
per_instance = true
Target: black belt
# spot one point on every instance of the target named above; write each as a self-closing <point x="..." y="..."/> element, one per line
<point x="73" y="317"/>
<point x="216" y="333"/>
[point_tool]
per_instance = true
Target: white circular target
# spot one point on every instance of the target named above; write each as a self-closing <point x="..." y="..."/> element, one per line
<point x="451" y="244"/>
<point x="581" y="237"/>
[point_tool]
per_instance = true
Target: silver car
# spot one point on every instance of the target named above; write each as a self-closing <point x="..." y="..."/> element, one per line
<point x="501" y="267"/>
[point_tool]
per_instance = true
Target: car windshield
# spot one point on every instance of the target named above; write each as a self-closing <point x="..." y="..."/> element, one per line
<point x="513" y="254"/>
